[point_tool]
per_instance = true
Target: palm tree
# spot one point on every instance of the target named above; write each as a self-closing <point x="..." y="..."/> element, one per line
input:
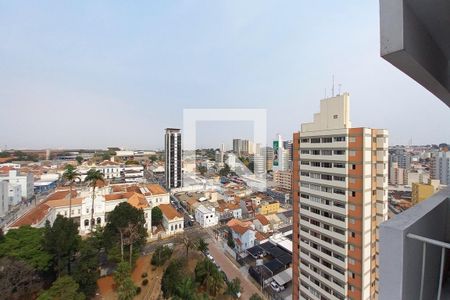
<point x="206" y="273"/>
<point x="202" y="246"/>
<point x="186" y="289"/>
<point x="93" y="177"/>
<point x="233" y="288"/>
<point x="71" y="176"/>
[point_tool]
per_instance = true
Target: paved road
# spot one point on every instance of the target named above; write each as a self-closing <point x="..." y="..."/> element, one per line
<point x="232" y="271"/>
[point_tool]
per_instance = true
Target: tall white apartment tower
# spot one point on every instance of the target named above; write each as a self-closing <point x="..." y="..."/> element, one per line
<point x="173" y="158"/>
<point x="340" y="182"/>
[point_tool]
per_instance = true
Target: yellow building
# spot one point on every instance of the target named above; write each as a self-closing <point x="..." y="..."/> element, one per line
<point x="269" y="207"/>
<point x="421" y="192"/>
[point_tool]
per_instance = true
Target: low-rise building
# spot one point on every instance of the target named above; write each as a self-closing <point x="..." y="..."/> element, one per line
<point x="173" y="221"/>
<point x="244" y="237"/>
<point x="283" y="179"/>
<point x="26" y="182"/>
<point x="269" y="207"/>
<point x="206" y="216"/>
<point x="155" y="194"/>
<point x="261" y="224"/>
<point x="421" y="192"/>
<point x="4" y="199"/>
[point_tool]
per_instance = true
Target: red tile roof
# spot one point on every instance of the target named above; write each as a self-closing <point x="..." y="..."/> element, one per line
<point x="34" y="216"/>
<point x="262" y="219"/>
<point x="169" y="211"/>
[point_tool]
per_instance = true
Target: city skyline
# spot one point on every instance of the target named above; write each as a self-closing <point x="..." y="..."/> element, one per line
<point x="121" y="73"/>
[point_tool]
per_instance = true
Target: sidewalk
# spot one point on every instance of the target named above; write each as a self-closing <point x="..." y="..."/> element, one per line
<point x="232" y="271"/>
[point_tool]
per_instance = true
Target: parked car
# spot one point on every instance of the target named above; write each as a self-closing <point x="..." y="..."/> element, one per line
<point x="276" y="287"/>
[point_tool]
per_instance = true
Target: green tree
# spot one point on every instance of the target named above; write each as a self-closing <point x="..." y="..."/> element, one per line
<point x="187" y="242"/>
<point x="171" y="278"/>
<point x="207" y="274"/>
<point x="71" y="176"/>
<point x="5" y="154"/>
<point x="93" y="177"/>
<point x="202" y="170"/>
<point x="61" y="240"/>
<point x="233" y="288"/>
<point x="161" y="255"/>
<point x="230" y="241"/>
<point x="79" y="159"/>
<point x="64" y="288"/>
<point x="157" y="216"/>
<point x="18" y="280"/>
<point x="225" y="170"/>
<point x="126" y="225"/>
<point x="255" y="296"/>
<point x="131" y="162"/>
<point x="125" y="287"/>
<point x="86" y="270"/>
<point x="26" y="244"/>
<point x="153" y="158"/>
<point x="186" y="289"/>
<point x="202" y="246"/>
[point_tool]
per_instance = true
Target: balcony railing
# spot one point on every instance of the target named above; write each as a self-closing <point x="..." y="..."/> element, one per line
<point x="414" y="261"/>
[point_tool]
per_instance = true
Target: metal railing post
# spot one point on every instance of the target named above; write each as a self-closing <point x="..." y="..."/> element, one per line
<point x="441" y="274"/>
<point x="422" y="277"/>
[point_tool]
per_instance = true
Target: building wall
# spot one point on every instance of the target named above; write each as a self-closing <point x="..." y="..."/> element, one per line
<point x="4" y="198"/>
<point x="283" y="179"/>
<point x="421" y="192"/>
<point x="340" y="198"/>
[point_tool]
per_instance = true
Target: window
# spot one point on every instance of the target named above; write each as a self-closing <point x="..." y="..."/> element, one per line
<point x="339" y="165"/>
<point x="352" y="153"/>
<point x="315" y="164"/>
<point x="327" y="152"/>
<point x="305" y="163"/>
<point x="315" y="152"/>
<point x="339" y="191"/>
<point x="326" y="165"/>
<point x="306" y="174"/>
<point x="99" y="220"/>
<point x="86" y="223"/>
<point x="351" y="139"/>
<point x="315" y="140"/>
<point x="353" y="235"/>
<point x="326" y="177"/>
<point x="351" y="261"/>
<point x="339" y="138"/>
<point x="327" y="140"/>
<point x="339" y="152"/>
<point x="304" y="140"/>
<point x="335" y="116"/>
<point x="339" y="178"/>
<point x="351" y="207"/>
<point x="353" y="194"/>
<point x="304" y="151"/>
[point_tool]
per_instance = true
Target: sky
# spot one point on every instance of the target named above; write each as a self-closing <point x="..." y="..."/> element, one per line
<point x="93" y="74"/>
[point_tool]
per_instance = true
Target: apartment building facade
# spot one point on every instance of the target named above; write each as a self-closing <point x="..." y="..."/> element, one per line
<point x="340" y="198"/>
<point x="173" y="158"/>
<point x="283" y="179"/>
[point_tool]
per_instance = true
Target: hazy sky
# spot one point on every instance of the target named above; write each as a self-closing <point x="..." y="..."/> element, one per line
<point x="116" y="73"/>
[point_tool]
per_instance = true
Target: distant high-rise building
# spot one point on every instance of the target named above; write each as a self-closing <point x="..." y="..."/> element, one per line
<point x="440" y="166"/>
<point x="237" y="146"/>
<point x="339" y="198"/>
<point x="281" y="159"/>
<point x="173" y="158"/>
<point x="267" y="152"/>
<point x="259" y="166"/>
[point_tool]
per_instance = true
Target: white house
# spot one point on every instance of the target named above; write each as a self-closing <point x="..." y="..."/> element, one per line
<point x="206" y="216"/>
<point x="173" y="221"/>
<point x="105" y="202"/>
<point x="155" y="194"/>
<point x="261" y="223"/>
<point x="244" y="237"/>
<point x="14" y="194"/>
<point x="26" y="182"/>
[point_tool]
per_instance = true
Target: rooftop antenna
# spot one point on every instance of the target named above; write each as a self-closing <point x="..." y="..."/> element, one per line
<point x="332" y="88"/>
